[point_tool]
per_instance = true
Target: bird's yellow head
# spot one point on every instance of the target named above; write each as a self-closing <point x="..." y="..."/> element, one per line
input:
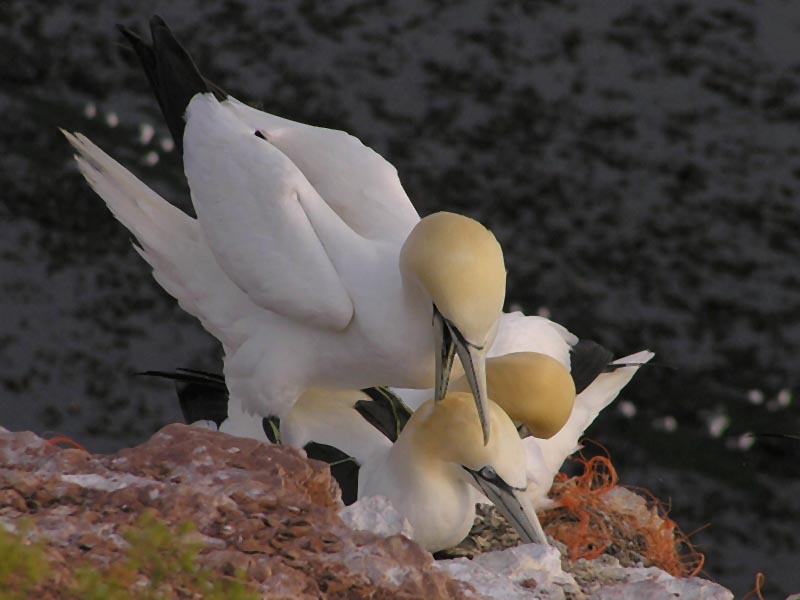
<point x="450" y="431"/>
<point x="532" y="388"/>
<point x="459" y="263"/>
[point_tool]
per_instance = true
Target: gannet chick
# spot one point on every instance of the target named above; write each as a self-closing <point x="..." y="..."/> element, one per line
<point x="307" y="260"/>
<point x="439" y="465"/>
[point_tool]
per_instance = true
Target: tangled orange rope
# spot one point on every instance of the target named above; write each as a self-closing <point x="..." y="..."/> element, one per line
<point x="589" y="525"/>
<point x="62" y="439"/>
<point x="757" y="593"/>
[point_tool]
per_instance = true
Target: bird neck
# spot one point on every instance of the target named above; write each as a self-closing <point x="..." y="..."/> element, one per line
<point x="432" y="494"/>
<point x="411" y="461"/>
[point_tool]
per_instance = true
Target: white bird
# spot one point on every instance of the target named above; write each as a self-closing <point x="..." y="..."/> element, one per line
<point x="438" y="468"/>
<point x="421" y="472"/>
<point x="306" y="260"/>
<point x="534" y="389"/>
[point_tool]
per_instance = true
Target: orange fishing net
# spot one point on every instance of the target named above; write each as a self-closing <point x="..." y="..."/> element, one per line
<point x="591" y="521"/>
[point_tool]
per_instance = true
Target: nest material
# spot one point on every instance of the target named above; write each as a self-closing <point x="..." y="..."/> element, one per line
<point x="594" y="517"/>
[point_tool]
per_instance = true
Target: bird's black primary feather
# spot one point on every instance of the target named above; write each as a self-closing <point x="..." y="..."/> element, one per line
<point x="344" y="468"/>
<point x="172" y="74"/>
<point x="589" y="359"/>
<point x="272" y="429"/>
<point x="386" y="412"/>
<point x="202" y="396"/>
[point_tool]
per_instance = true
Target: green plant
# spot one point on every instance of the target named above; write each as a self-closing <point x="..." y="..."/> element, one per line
<point x="160" y="564"/>
<point x="23" y="565"/>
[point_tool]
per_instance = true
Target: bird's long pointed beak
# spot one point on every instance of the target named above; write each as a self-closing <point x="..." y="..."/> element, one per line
<point x="445" y="352"/>
<point x="514" y="506"/>
<point x="473" y="359"/>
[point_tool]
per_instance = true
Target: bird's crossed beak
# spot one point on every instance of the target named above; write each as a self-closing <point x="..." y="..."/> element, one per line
<point x="473" y="358"/>
<point x="512" y="504"/>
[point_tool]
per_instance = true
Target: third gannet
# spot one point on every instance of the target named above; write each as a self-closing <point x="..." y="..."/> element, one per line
<point x="436" y="470"/>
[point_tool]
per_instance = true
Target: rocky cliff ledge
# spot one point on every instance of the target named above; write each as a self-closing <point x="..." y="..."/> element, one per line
<point x="264" y="517"/>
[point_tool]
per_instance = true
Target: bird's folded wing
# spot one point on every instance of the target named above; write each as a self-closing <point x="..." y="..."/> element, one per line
<point x="249" y="199"/>
<point x="329" y="417"/>
<point x="354" y="180"/>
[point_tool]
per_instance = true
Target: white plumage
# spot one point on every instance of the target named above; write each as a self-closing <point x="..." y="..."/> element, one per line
<point x="439" y="467"/>
<point x="307" y="260"/>
<point x="310" y="265"/>
<point x="297" y="298"/>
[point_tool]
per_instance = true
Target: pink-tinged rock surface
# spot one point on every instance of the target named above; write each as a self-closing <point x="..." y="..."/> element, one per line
<point x="264" y="510"/>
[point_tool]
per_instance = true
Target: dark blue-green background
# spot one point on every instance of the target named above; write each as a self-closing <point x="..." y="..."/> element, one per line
<point x="639" y="162"/>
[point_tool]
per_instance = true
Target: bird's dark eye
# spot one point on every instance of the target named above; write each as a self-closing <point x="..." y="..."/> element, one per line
<point x="488" y="472"/>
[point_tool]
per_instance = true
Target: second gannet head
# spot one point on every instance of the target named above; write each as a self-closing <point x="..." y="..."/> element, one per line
<point x="533" y="388"/>
<point x="459" y="264"/>
<point x="448" y="438"/>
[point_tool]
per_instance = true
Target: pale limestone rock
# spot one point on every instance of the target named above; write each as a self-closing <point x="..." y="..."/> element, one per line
<point x="524" y="572"/>
<point x="377" y="515"/>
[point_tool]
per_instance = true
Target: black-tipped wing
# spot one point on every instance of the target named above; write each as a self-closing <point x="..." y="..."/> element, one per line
<point x="588" y="360"/>
<point x="386" y="412"/>
<point x="344" y="468"/>
<point x="172" y="74"/>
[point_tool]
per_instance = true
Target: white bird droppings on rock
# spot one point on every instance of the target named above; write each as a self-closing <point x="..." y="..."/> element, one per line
<point x="523" y="572"/>
<point x="535" y="571"/>
<point x="655" y="584"/>
<point x="93" y="481"/>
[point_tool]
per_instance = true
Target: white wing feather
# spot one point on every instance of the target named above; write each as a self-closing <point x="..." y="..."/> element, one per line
<point x="249" y="200"/>
<point x="355" y="181"/>
<point x="517" y="332"/>
<point x="170" y="241"/>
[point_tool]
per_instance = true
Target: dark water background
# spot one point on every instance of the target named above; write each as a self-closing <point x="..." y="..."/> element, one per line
<point x="639" y="161"/>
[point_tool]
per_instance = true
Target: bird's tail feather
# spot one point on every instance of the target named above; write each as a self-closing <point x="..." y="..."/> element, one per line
<point x="202" y="396"/>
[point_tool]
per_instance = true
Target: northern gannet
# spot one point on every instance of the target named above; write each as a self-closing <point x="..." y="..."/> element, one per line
<point x="332" y="425"/>
<point x="436" y="470"/>
<point x="306" y="260"/>
<point x="533" y="388"/>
